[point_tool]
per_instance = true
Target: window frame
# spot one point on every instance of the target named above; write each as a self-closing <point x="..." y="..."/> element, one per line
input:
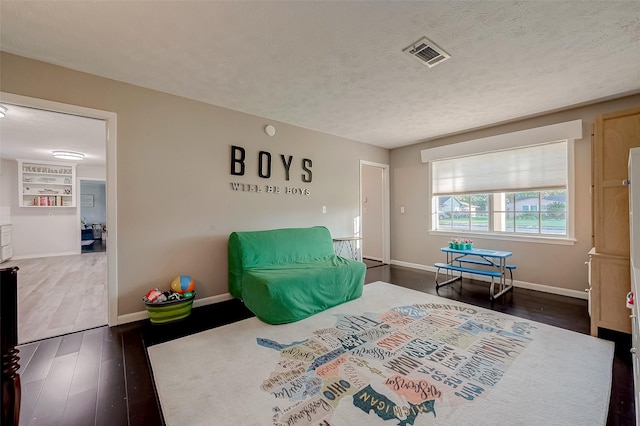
<point x="568" y="239"/>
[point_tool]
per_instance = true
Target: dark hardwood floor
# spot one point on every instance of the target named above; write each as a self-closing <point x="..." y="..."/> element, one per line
<point x="102" y="376"/>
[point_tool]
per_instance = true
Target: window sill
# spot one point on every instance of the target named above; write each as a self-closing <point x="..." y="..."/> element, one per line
<point x="567" y="241"/>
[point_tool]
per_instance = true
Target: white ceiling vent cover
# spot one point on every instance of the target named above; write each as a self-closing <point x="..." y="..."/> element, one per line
<point x="426" y="51"/>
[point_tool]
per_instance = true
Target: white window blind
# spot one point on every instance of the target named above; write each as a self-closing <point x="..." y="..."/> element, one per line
<point x="528" y="168"/>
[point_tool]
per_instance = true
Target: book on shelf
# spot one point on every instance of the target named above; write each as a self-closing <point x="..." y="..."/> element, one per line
<point x="49" y="201"/>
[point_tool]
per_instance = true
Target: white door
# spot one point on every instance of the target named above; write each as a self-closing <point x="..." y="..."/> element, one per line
<point x="374" y="207"/>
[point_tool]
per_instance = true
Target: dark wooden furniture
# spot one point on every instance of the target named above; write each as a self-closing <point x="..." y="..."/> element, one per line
<point x="8" y="341"/>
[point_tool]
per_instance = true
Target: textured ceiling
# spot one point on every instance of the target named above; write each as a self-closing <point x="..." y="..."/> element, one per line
<point x="338" y="67"/>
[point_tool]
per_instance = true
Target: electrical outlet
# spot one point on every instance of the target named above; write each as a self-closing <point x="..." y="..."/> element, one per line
<point x="401" y="209"/>
<point x="324" y="209"/>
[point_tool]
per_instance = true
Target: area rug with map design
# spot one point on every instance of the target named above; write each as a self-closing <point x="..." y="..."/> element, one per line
<point x="392" y="357"/>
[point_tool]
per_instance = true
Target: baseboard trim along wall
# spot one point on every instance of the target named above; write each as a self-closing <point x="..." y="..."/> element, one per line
<point x="520" y="284"/>
<point x="36" y="256"/>
<point x="142" y="315"/>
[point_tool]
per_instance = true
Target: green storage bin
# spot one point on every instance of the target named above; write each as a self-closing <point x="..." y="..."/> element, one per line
<point x="171" y="310"/>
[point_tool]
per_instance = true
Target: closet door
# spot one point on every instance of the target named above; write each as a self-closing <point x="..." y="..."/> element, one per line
<point x="614" y="135"/>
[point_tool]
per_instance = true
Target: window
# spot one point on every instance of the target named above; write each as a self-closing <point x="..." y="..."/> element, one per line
<point x="518" y="183"/>
<point x="504" y="212"/>
<point x="514" y="191"/>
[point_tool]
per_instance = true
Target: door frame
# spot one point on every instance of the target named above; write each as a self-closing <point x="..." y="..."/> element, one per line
<point x="386" y="211"/>
<point x="110" y="119"/>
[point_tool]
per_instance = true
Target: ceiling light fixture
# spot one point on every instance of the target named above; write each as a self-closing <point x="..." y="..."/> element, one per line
<point x="3" y="111"/>
<point x="68" y="155"/>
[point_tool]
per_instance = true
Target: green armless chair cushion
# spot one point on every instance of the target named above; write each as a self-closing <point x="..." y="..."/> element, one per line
<point x="285" y="275"/>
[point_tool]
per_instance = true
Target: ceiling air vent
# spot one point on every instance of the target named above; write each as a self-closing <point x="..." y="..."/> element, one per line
<point x="426" y="51"/>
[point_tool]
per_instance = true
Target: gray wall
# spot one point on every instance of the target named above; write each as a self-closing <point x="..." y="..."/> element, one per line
<point x="174" y="160"/>
<point x="560" y="266"/>
<point x="176" y="205"/>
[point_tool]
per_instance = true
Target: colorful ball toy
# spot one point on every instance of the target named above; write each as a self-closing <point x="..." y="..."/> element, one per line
<point x="183" y="284"/>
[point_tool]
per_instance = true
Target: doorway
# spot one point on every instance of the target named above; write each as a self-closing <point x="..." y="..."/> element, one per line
<point x="93" y="213"/>
<point x="106" y="261"/>
<point x="374" y="211"/>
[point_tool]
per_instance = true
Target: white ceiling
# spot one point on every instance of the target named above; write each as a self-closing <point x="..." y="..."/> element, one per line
<point x="34" y="134"/>
<point x="338" y="67"/>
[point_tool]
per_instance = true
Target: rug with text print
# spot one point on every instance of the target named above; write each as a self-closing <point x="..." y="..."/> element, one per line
<point x="393" y="357"/>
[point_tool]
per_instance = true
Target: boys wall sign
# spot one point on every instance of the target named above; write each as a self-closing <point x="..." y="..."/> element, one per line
<point x="266" y="166"/>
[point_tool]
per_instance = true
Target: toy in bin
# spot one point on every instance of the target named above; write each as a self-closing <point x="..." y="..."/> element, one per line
<point x="183" y="284"/>
<point x="154" y="296"/>
<point x="172" y="305"/>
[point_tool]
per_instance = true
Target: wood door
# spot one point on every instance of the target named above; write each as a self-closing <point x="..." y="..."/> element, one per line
<point x="615" y="134"/>
<point x="610" y="283"/>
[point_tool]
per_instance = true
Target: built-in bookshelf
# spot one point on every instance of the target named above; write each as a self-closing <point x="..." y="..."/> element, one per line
<point x="46" y="184"/>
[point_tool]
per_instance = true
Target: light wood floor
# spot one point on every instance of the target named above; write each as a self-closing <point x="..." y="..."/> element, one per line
<point x="61" y="294"/>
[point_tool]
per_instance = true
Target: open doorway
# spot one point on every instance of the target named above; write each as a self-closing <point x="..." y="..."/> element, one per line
<point x="49" y="265"/>
<point x="93" y="213"/>
<point x="374" y="211"/>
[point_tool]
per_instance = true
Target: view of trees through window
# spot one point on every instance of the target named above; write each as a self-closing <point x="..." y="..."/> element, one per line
<point x="529" y="212"/>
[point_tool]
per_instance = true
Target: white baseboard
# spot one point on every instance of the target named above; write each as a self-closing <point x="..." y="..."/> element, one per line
<point x="36" y="256"/>
<point x="413" y="265"/>
<point x="520" y="284"/>
<point x="142" y="315"/>
<point x="212" y="299"/>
